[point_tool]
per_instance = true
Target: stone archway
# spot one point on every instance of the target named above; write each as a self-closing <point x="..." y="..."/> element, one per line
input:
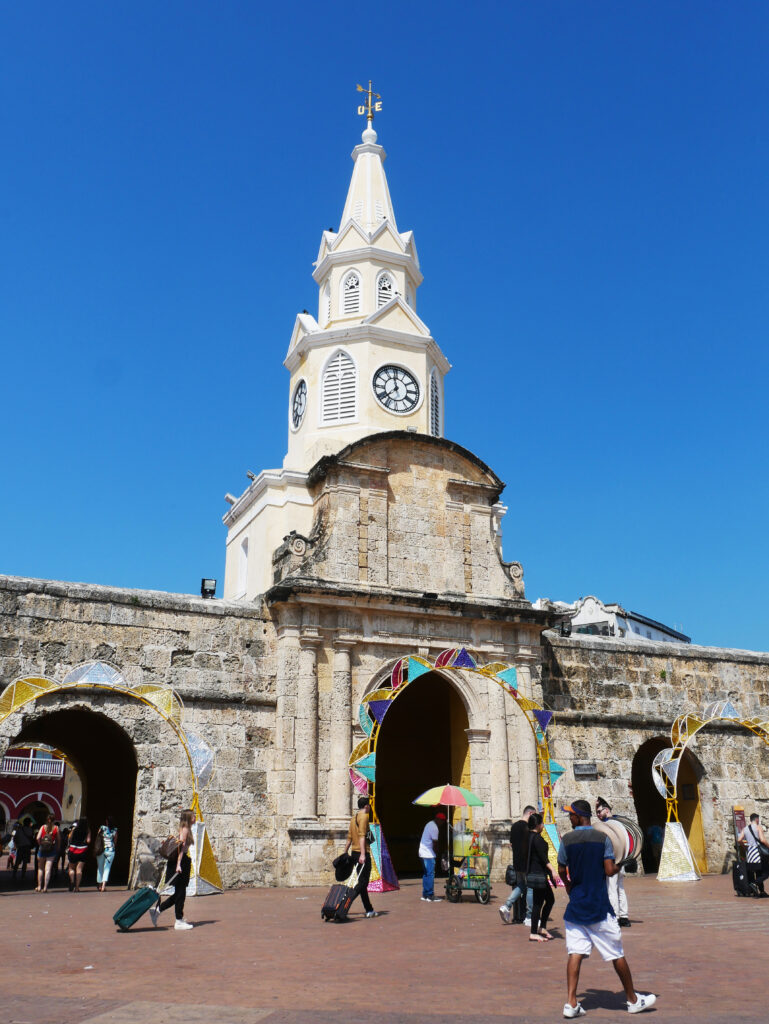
<point x="423" y="743"/>
<point x="173" y="762"/>
<point x="469" y="680"/>
<point x="104" y="757"/>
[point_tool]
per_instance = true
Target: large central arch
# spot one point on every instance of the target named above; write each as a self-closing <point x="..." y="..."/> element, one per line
<point x="458" y="665"/>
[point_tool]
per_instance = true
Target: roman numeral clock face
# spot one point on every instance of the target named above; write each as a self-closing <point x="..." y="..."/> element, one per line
<point x="396" y="389"/>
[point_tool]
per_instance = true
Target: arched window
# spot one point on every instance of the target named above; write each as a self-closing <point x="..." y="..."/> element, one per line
<point x="325" y="305"/>
<point x="385" y="289"/>
<point x="338" y="400"/>
<point x="435" y="406"/>
<point x="351" y="293"/>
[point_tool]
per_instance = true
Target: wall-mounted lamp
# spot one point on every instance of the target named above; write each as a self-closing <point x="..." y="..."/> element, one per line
<point x="207" y="588"/>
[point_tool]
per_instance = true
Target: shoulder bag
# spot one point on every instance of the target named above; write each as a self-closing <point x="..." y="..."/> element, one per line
<point x="534" y="879"/>
<point x="510" y="876"/>
<point x="98" y="843"/>
<point x="763" y="849"/>
<point x="169" y="847"/>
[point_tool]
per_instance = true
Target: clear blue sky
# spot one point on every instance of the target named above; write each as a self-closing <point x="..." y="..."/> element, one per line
<point x="168" y="168"/>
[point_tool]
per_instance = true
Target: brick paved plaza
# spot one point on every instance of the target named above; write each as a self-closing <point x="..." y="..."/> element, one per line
<point x="265" y="955"/>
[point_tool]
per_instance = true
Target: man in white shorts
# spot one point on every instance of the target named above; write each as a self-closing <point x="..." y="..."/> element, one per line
<point x="585" y="861"/>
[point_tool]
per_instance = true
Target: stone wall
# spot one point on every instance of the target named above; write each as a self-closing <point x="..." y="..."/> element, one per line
<point x="218" y="656"/>
<point x="610" y="696"/>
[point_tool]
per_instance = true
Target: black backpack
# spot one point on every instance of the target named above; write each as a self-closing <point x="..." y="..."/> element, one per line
<point x="47" y="843"/>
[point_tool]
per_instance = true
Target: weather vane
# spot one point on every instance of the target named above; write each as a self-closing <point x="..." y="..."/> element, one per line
<point x="372" y="105"/>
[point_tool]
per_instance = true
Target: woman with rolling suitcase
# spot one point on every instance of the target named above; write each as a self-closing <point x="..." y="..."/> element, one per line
<point x="177" y="871"/>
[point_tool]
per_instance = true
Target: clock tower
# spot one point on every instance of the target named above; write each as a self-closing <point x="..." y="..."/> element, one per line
<point x="366" y="363"/>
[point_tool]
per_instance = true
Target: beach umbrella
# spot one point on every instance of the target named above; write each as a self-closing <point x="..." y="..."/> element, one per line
<point x="448" y="796"/>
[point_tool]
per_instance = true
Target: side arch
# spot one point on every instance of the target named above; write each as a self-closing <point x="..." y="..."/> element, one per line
<point x="677" y="863"/>
<point x="100" y="678"/>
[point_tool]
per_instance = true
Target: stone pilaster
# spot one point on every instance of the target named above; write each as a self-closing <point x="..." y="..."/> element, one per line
<point x="340" y="730"/>
<point x="306" y="791"/>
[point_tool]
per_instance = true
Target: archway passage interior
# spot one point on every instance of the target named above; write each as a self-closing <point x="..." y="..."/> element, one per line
<point x="105" y="760"/>
<point x="422" y="743"/>
<point x="650" y="806"/>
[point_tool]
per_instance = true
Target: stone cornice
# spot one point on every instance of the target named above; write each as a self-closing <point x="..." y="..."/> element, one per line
<point x="355" y="332"/>
<point x="655" y="648"/>
<point x="155" y="600"/>
<point x="349" y="257"/>
<point x="278" y="478"/>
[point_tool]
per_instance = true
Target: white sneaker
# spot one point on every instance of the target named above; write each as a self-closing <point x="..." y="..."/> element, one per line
<point x="504" y="913"/>
<point x="573" y="1011"/>
<point x="642" y="1003"/>
<point x="527" y="923"/>
<point x="154" y="915"/>
<point x="372" y="913"/>
<point x="182" y="926"/>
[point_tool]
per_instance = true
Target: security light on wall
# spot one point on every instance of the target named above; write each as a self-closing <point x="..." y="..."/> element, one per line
<point x="207" y="588"/>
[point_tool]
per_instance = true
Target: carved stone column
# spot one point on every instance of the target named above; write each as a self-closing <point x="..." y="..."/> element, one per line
<point x="340" y="729"/>
<point x="306" y="731"/>
<point x="498" y="755"/>
<point x="480" y="774"/>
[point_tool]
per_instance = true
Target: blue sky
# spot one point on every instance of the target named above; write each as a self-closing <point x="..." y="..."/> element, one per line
<point x="167" y="172"/>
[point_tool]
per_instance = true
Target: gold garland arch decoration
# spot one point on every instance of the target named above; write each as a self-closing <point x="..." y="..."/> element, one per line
<point x="374" y="706"/>
<point x="676" y="861"/>
<point x="99" y="676"/>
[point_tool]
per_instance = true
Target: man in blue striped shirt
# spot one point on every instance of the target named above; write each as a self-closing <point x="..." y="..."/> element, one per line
<point x="585" y="861"/>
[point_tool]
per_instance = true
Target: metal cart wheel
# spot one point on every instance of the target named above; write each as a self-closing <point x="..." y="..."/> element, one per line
<point x="483" y="893"/>
<point x="453" y="890"/>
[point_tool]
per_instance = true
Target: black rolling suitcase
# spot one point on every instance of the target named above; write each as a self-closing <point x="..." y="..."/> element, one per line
<point x="340" y="898"/>
<point x="741" y="880"/>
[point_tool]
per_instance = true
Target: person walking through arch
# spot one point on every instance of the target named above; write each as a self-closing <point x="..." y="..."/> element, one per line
<point x="24" y="841"/>
<point x="519" y="841"/>
<point x="47" y="853"/>
<point x="359" y="845"/>
<point x="79" y="841"/>
<point x="178" y="873"/>
<point x="585" y="861"/>
<point x="104" y="848"/>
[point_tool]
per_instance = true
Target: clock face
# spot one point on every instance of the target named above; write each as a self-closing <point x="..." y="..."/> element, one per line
<point x="396" y="389"/>
<point x="299" y="404"/>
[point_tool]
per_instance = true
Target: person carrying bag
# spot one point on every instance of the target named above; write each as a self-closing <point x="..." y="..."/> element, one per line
<point x="539" y="877"/>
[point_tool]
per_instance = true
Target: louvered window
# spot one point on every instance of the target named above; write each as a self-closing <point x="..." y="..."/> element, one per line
<point x="339" y="387"/>
<point x="351" y="294"/>
<point x="379" y="210"/>
<point x="357" y="210"/>
<point x="384" y="290"/>
<point x="435" y="407"/>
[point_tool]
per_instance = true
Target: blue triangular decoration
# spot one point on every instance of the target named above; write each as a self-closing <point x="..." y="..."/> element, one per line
<point x="416" y="669"/>
<point x="463" y="659"/>
<point x="366" y="767"/>
<point x="379" y="709"/>
<point x="543" y="717"/>
<point x="509" y="676"/>
<point x="556" y="771"/>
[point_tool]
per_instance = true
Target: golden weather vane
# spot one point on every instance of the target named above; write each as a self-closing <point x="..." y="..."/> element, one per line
<point x="372" y="105"/>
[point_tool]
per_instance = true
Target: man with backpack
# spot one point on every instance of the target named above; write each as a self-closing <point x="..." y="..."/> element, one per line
<point x="519" y="841"/>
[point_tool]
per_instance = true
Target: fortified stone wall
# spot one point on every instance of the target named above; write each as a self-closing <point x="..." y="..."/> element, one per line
<point x="218" y="656"/>
<point x="611" y="696"/>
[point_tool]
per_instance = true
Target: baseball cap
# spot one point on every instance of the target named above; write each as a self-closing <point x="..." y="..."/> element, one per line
<point x="441" y="815"/>
<point x="580" y="807"/>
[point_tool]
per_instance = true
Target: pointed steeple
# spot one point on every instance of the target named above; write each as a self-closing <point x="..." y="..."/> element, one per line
<point x="368" y="198"/>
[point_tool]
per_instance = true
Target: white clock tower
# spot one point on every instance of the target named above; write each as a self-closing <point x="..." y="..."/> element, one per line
<point x="367" y="363"/>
